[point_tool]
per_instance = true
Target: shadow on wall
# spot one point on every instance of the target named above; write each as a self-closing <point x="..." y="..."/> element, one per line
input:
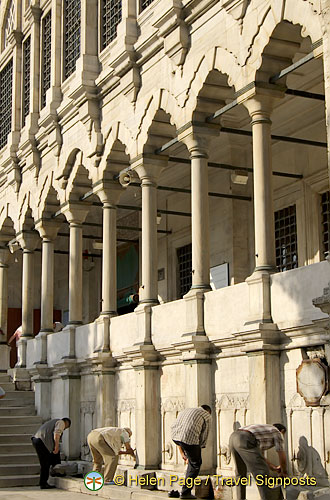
<point x="309" y="462"/>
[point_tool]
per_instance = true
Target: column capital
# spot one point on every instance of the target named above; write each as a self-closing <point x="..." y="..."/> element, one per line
<point x="28" y="240"/>
<point x="149" y="167"/>
<point x="47" y="228"/>
<point x="261" y="101"/>
<point x="197" y="136"/>
<point x="75" y="212"/>
<point x="108" y="191"/>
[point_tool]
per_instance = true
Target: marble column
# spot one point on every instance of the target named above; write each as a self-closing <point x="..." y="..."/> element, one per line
<point x="148" y="168"/>
<point x="260" y="107"/>
<point x="197" y="139"/>
<point x="48" y="230"/>
<point x="109" y="193"/>
<point x="4" y="348"/>
<point x="75" y="213"/>
<point x="28" y="241"/>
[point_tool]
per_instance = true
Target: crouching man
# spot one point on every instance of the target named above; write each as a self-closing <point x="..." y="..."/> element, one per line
<point x="46" y="442"/>
<point x="105" y="445"/>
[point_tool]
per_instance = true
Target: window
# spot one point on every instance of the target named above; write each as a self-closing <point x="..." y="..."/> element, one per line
<point x="72" y="20"/>
<point x="10" y="22"/>
<point x="46" y="56"/>
<point x="111" y="17"/>
<point x="145" y="3"/>
<point x="26" y="78"/>
<point x="184" y="269"/>
<point x="6" y="78"/>
<point x="325" y="202"/>
<point x="286" y="238"/>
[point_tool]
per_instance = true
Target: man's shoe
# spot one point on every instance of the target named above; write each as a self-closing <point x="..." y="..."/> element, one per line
<point x="47" y="487"/>
<point x="187" y="496"/>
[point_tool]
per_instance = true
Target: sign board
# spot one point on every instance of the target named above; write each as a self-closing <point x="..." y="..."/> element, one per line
<point x="219" y="276"/>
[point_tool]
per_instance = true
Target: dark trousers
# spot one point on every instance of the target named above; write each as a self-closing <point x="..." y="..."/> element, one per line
<point x="194" y="454"/>
<point x="247" y="456"/>
<point x="46" y="459"/>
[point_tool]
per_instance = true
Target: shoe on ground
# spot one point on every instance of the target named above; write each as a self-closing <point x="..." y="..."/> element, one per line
<point x="47" y="487"/>
<point x="111" y="483"/>
<point x="188" y="496"/>
<point x="174" y="494"/>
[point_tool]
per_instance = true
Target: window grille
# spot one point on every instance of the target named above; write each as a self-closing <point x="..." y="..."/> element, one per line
<point x="145" y="3"/>
<point x="72" y="21"/>
<point x="325" y="202"/>
<point x="6" y="83"/>
<point x="46" y="56"/>
<point x="184" y="269"/>
<point x="10" y="22"/>
<point x="286" y="238"/>
<point x="26" y="77"/>
<point x="111" y="17"/>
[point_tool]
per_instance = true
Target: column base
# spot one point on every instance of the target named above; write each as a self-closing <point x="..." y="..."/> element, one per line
<point x="143" y="312"/>
<point x="21" y="378"/>
<point x="259" y="298"/>
<point x="194" y="305"/>
<point x="40" y="376"/>
<point x="4" y="357"/>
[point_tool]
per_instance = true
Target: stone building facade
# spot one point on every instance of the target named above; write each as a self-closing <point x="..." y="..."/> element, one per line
<point x="194" y="132"/>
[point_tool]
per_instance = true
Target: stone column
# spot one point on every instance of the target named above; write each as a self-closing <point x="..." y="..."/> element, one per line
<point x="109" y="193"/>
<point x="148" y="168"/>
<point x="4" y="348"/>
<point x="259" y="107"/>
<point x="48" y="230"/>
<point x="75" y="213"/>
<point x="28" y="241"/>
<point x="325" y="20"/>
<point x="197" y="140"/>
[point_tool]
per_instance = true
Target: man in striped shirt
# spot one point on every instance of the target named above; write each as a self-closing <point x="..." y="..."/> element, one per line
<point x="247" y="445"/>
<point x="190" y="433"/>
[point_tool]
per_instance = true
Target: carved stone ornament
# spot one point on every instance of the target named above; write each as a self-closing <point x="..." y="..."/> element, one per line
<point x="224" y="450"/>
<point x="232" y="401"/>
<point x="312" y="381"/>
<point x="236" y="8"/>
<point x="168" y="405"/>
<point x="169" y="450"/>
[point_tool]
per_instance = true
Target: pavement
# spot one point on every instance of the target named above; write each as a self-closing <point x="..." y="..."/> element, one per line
<point x="35" y="493"/>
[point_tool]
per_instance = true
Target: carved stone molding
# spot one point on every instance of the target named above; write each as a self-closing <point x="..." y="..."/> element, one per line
<point x="232" y="401"/>
<point x="296" y="402"/>
<point x="125" y="405"/>
<point x="87" y="407"/>
<point x="172" y="404"/>
<point x="225" y="452"/>
<point x="236" y="8"/>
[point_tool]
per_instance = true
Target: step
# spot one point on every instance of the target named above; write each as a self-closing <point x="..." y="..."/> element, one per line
<point x="30" y="427"/>
<point x="7" y="386"/>
<point x="19" y="395"/>
<point x="4" y="378"/>
<point x="14" y="469"/>
<point x="16" y="448"/>
<point x="15" y="458"/>
<point x="15" y="438"/>
<point x="14" y="402"/>
<point x="15" y="481"/>
<point x="17" y="411"/>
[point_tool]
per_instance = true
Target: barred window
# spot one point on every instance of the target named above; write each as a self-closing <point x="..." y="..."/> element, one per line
<point x="6" y="83"/>
<point x="111" y="17"/>
<point x="145" y="3"/>
<point x="184" y="269"/>
<point x="26" y="78"/>
<point x="325" y="202"/>
<point x="10" y="22"/>
<point x="72" y="21"/>
<point x="286" y="238"/>
<point x="46" y="56"/>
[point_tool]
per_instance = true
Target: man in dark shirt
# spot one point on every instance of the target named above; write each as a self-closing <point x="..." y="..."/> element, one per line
<point x="247" y="444"/>
<point x="190" y="433"/>
<point x="46" y="442"/>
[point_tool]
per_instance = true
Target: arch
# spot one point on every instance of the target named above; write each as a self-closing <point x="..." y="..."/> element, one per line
<point x="79" y="182"/>
<point x="7" y="20"/>
<point x="299" y="16"/>
<point x="48" y="203"/>
<point x="7" y="229"/>
<point x="120" y="134"/>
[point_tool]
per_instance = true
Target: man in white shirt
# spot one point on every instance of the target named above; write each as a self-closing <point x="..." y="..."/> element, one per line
<point x="105" y="445"/>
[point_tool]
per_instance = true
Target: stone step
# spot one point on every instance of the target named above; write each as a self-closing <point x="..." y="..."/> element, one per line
<point x="16" y="448"/>
<point x="14" y="402"/>
<point x="7" y="386"/>
<point x="4" y="378"/>
<point x="19" y="395"/>
<point x="23" y="458"/>
<point x="30" y="427"/>
<point x="14" y="469"/>
<point x="15" y="411"/>
<point x="15" y="438"/>
<point x="16" y="481"/>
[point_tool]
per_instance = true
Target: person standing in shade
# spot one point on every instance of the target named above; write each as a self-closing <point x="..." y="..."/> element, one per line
<point x="105" y="445"/>
<point x="46" y="442"/>
<point x="190" y="433"/>
<point x="247" y="445"/>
